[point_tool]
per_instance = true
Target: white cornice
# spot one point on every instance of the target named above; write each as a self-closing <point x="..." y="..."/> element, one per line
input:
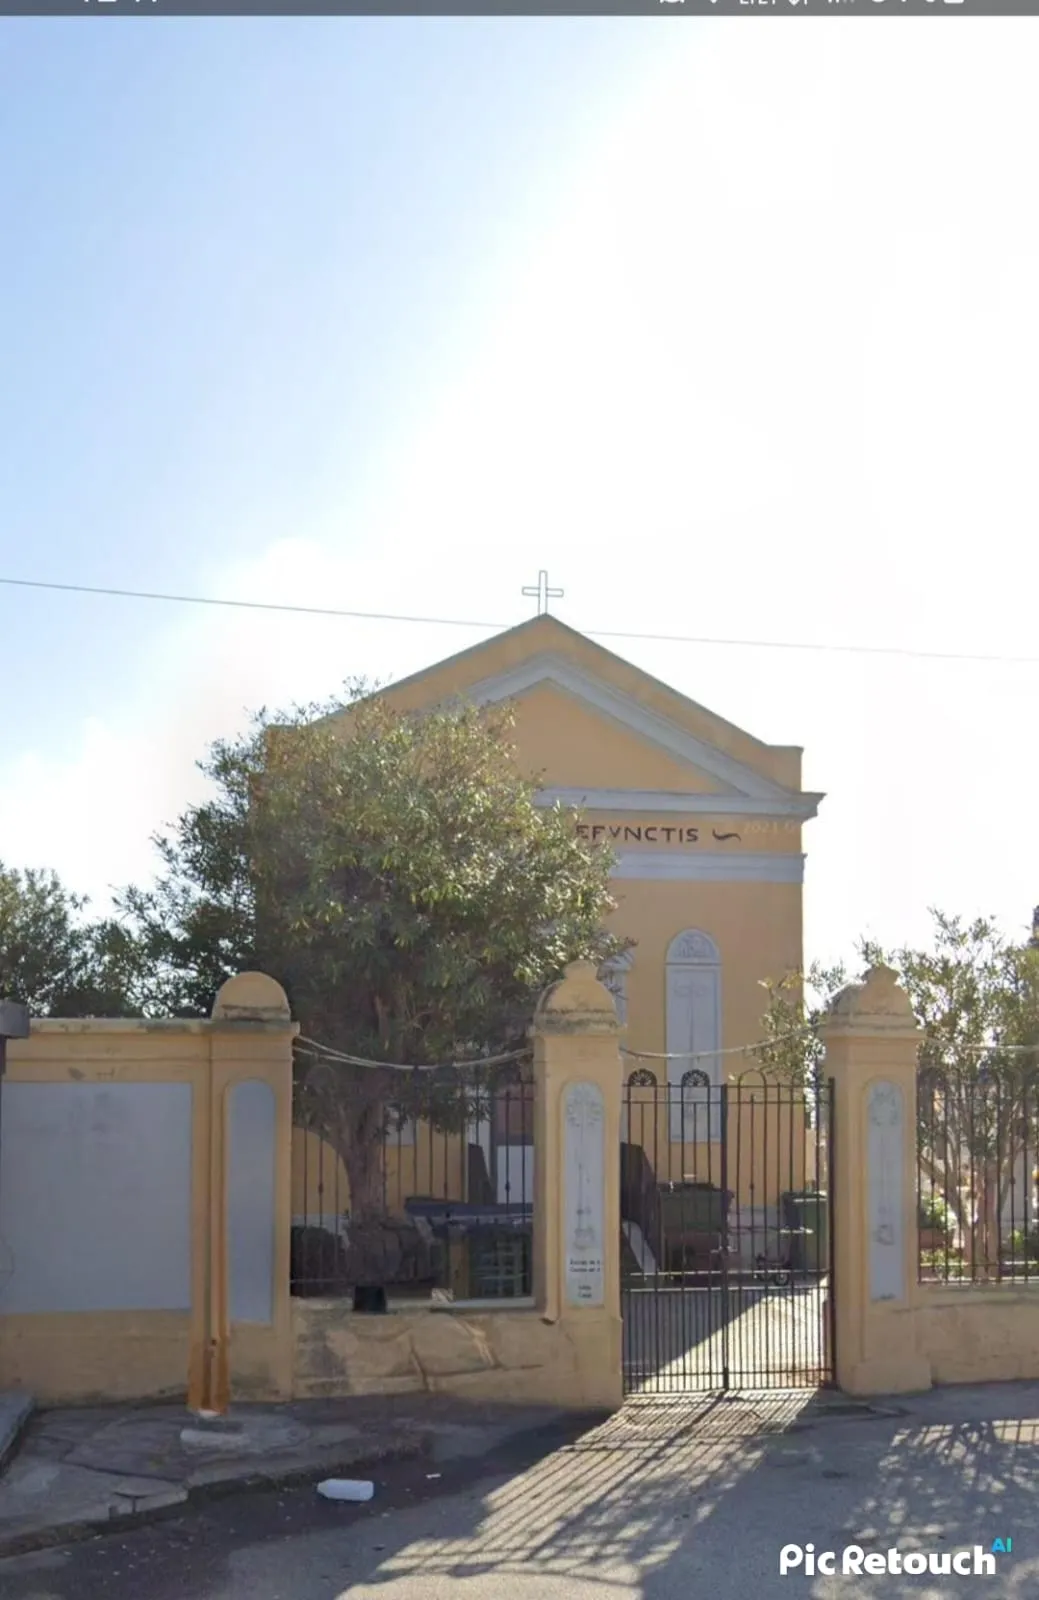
<point x="631" y="715"/>
<point x="712" y="866"/>
<point x="802" y="806"/>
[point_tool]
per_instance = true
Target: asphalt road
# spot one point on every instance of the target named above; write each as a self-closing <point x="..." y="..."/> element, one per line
<point x="666" y="1501"/>
<point x="276" y="1545"/>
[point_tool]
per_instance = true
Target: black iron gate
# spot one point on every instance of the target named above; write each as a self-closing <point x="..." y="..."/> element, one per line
<point x="726" y="1236"/>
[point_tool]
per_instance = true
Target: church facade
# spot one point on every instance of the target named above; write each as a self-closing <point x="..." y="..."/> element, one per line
<point x="706" y="822"/>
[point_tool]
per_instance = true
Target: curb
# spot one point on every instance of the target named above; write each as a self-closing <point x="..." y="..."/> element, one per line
<point x="165" y="1504"/>
<point x="15" y="1411"/>
<point x="289" y="1473"/>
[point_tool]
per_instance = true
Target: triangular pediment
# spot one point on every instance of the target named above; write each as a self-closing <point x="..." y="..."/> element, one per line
<point x="607" y="734"/>
<point x="692" y="757"/>
<point x="568" y="740"/>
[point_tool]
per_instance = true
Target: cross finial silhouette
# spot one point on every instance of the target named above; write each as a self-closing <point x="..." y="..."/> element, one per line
<point x="543" y="594"/>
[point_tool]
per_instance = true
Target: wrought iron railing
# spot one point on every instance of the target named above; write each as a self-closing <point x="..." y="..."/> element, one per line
<point x="426" y="1195"/>
<point x="978" y="1177"/>
<point x="726" y="1233"/>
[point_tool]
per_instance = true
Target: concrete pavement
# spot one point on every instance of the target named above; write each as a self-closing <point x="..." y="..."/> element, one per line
<point x="669" y="1500"/>
<point x="78" y="1470"/>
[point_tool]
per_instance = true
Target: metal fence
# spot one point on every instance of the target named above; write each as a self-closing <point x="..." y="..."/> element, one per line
<point x="725" y="1233"/>
<point x="429" y="1195"/>
<point x="978" y="1177"/>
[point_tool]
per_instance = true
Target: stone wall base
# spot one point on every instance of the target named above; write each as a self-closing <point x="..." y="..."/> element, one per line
<point x="494" y="1355"/>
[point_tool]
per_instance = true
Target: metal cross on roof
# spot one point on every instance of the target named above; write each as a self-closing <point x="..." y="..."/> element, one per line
<point x="543" y="594"/>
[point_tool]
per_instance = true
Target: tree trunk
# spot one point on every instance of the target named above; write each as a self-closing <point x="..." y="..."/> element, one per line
<point x="357" y="1130"/>
<point x="986" y="1223"/>
<point x="362" y="1155"/>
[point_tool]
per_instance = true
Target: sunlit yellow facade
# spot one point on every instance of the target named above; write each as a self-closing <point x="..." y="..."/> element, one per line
<point x="706" y="822"/>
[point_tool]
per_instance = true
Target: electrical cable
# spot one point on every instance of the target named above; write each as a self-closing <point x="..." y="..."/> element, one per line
<point x="491" y="627"/>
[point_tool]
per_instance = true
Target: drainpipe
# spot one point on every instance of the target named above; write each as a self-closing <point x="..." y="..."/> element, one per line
<point x="14" y="1024"/>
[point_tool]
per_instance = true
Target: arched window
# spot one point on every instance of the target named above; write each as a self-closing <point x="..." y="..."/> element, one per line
<point x="694" y="1029"/>
<point x="613" y="974"/>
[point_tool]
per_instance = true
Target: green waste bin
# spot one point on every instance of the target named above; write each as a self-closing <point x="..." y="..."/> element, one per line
<point x="692" y="1224"/>
<point x="806" y="1214"/>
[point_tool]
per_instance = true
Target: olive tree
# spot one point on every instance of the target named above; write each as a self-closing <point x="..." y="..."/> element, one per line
<point x="394" y="872"/>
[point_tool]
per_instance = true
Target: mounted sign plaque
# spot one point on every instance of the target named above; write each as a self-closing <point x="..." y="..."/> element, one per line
<point x="885" y="1190"/>
<point x="584" y="1194"/>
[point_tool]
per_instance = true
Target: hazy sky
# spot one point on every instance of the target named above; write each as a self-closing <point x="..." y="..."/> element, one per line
<point x="733" y="328"/>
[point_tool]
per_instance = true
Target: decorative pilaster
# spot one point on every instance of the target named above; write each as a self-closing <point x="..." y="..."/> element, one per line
<point x="243" y="1198"/>
<point x="577" y="1074"/>
<point x="871" y="1039"/>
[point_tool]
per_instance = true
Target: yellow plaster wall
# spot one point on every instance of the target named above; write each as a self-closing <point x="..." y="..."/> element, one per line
<point x="918" y="1334"/>
<point x="81" y="1357"/>
<point x="433" y="1166"/>
<point x="978" y="1334"/>
<point x="552" y="1355"/>
<point x="546" y="635"/>
<point x="319" y="1181"/>
<point x="64" y="1357"/>
<point x="767" y="1152"/>
<point x="85" y="1358"/>
<point x="573" y="746"/>
<point x="756" y="926"/>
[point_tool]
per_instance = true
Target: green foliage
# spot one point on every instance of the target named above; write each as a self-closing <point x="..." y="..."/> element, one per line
<point x="55" y="960"/>
<point x="1023" y="1244"/>
<point x="936" y="1215"/>
<point x="394" y="873"/>
<point x="399" y="881"/>
<point x="797" y="1005"/>
<point x="946" y="1265"/>
<point x="197" y="926"/>
<point x="414" y="895"/>
<point x="975" y="996"/>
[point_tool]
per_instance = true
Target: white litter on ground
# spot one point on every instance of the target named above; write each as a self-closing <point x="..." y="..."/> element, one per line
<point x="346" y="1489"/>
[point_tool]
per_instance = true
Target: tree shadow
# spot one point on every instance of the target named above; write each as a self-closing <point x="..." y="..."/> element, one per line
<point x="674" y="1497"/>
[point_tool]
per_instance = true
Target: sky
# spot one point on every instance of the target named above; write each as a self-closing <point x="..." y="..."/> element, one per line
<point x="732" y="328"/>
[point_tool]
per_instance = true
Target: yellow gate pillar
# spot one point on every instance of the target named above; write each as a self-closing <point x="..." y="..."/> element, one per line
<point x="250" y="1038"/>
<point x="577" y="1073"/>
<point x="871" y="1038"/>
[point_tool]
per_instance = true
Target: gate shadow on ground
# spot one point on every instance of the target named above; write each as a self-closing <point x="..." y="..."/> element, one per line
<point x="671" y="1498"/>
<point x="695" y="1338"/>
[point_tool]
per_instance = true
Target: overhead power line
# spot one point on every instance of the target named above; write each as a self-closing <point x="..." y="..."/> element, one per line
<point x="813" y="648"/>
<point x="325" y="1052"/>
